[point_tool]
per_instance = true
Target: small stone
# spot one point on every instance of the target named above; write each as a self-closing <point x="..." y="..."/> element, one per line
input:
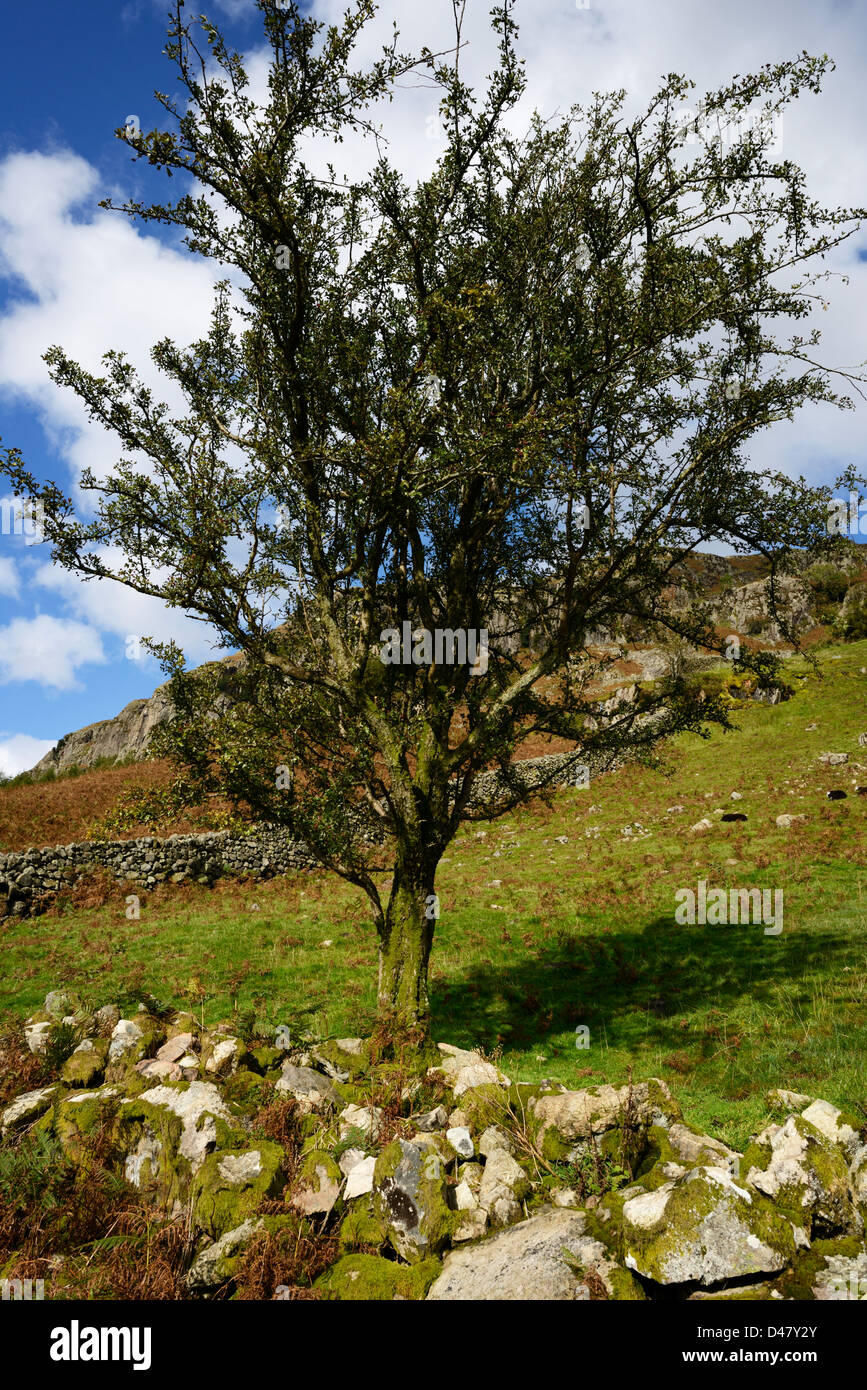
<point x="360" y="1179"/>
<point x="175" y="1048"/>
<point x="432" y="1120"/>
<point x="736" y="796"/>
<point x="461" y="1141"/>
<point x="787" y="821"/>
<point x="834" y="759"/>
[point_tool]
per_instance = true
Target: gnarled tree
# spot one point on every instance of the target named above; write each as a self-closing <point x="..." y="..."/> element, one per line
<point x="524" y="385"/>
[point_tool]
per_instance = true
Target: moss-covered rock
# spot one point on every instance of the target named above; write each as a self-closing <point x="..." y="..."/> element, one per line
<point x="319" y="1183"/>
<point x="230" y="1185"/>
<point x="86" y="1065"/>
<point x="363" y="1230"/>
<point x="371" y="1278"/>
<point x="807" y="1177"/>
<point x="703" y="1228"/>
<point x="411" y="1197"/>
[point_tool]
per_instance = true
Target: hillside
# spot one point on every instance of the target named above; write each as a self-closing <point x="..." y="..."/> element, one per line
<point x="736" y="583"/>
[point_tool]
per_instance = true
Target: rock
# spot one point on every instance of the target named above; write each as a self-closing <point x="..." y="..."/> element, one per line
<point x="155" y="1070"/>
<point x="803" y="1172"/>
<point x="27" y="1107"/>
<point x="432" y="1120"/>
<point x="223" y="1060"/>
<point x="830" y="1122"/>
<point x="787" y="821"/>
<point x="467" y="1191"/>
<point x="217" y="1264"/>
<point x="37" y="1037"/>
<point x="842" y="1278"/>
<point x="789" y="1101"/>
<point x="197" y="1108"/>
<point x="125" y="1036"/>
<point x="461" y="1141"/>
<point x="463" y="1070"/>
<point x="411" y="1199"/>
<point x="862" y="740"/>
<point x="471" y="1226"/>
<point x="366" y="1118"/>
<point x="541" y="1259"/>
<point x="348" y="1160"/>
<point x="360" y="1179"/>
<point x="58" y="1002"/>
<point x="176" y="1048"/>
<point x="504" y="1184"/>
<point x="495" y="1138"/>
<point x="701" y="825"/>
<point x="353" y="1046"/>
<point x="696" y="1148"/>
<point x="834" y="759"/>
<point x="575" y="1115"/>
<point x="319" y="1185"/>
<point x="86" y="1065"/>
<point x="310" y="1088"/>
<point x="703" y="1228"/>
<point x="736" y="796"/>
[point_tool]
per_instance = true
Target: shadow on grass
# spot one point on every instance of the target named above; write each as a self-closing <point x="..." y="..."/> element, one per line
<point x="637" y="986"/>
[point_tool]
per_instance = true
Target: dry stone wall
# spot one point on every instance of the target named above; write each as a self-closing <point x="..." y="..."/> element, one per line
<point x="31" y="878"/>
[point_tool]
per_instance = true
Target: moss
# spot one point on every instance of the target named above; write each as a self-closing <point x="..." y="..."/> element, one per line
<point x="267" y="1059"/>
<point x="243" y="1092"/>
<point x="86" y="1068"/>
<point x="362" y="1229"/>
<point x="220" y="1204"/>
<point x="370" y="1278"/>
<point x="799" y="1281"/>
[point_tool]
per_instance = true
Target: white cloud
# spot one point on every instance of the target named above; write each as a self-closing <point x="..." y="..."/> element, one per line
<point x="110" y="608"/>
<point x="21" y="752"/>
<point x="9" y="583"/>
<point x="47" y="650"/>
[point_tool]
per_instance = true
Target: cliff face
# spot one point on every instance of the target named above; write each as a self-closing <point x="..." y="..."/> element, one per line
<point x="127" y="735"/>
<point x="742" y="607"/>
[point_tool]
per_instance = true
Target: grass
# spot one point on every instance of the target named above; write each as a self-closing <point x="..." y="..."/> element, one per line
<point x="553" y="919"/>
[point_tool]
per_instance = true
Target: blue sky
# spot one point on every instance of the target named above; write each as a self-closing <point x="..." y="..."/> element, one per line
<point x="90" y="280"/>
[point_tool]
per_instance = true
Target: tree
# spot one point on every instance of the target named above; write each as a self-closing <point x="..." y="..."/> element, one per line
<point x="524" y="385"/>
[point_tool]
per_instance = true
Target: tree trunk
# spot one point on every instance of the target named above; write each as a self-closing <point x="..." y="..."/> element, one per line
<point x="405" y="945"/>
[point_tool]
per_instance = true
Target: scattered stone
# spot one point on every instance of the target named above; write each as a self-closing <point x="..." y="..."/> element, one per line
<point x="787" y="821"/>
<point x="367" y="1118"/>
<point x="461" y="1141"/>
<point x="360" y="1179"/>
<point x="36" y="1036"/>
<point x="703" y="824"/>
<point x="541" y="1259"/>
<point x="834" y="759"/>
<point x="27" y="1107"/>
<point x="432" y="1120"/>
<point x="175" y="1048"/>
